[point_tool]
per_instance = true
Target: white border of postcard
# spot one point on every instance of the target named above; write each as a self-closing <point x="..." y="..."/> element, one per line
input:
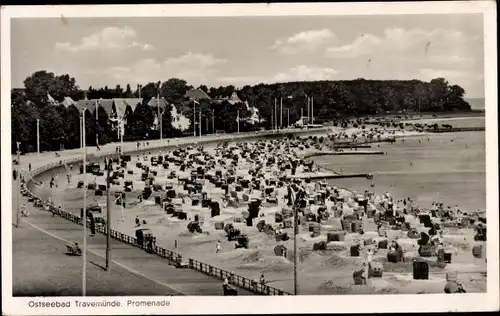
<point x="281" y="304"/>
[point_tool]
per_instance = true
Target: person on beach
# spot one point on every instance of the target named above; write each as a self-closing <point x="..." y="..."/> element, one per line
<point x="217" y="247"/>
<point x="262" y="280"/>
<point x="24" y="213"/>
<point x="137" y="221"/>
<point x="29" y="167"/>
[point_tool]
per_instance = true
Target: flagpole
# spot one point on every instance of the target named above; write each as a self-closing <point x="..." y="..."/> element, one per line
<point x="96" y="124"/>
<point x="199" y="127"/>
<point x="159" y="114"/>
<point x="312" y="110"/>
<point x="38" y="136"/>
<point x="281" y="112"/>
<point x="288" y="117"/>
<point x="194" y="118"/>
<point x="81" y="136"/>
<point x="302" y="115"/>
<point x="275" y="114"/>
<point x="238" y="119"/>
<point x="18" y="182"/>
<point x="84" y="217"/>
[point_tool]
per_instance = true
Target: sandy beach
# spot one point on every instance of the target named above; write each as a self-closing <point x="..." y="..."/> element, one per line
<point x="320" y="272"/>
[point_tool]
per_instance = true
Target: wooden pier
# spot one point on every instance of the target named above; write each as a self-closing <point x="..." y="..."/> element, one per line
<point x="456" y="129"/>
<point x="343" y="153"/>
<point x="334" y="176"/>
<point x="352" y="146"/>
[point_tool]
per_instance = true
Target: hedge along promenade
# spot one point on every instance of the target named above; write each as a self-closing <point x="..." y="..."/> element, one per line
<point x="173" y="258"/>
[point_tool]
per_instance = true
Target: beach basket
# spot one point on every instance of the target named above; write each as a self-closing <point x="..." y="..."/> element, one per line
<point x="319" y="246"/>
<point x="394" y="256"/>
<point x="420" y="270"/>
<point x="354" y="250"/>
<point x="278" y="218"/>
<point x="335" y="236"/>
<point x="158" y="199"/>
<point x="376" y="269"/>
<point x="427" y="250"/>
<point x="219" y="225"/>
<point x="356" y="226"/>
<point x="382" y="244"/>
<point x="280" y="251"/>
<point x="479" y="251"/>
<point x="358" y="277"/>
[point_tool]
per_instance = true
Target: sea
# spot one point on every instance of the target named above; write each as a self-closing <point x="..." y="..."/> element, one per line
<point x="449" y="168"/>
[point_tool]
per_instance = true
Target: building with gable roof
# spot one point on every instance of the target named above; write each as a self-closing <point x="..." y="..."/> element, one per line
<point x="68" y="101"/>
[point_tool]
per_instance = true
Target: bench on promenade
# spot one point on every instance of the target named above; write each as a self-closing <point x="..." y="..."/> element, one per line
<point x="73" y="250"/>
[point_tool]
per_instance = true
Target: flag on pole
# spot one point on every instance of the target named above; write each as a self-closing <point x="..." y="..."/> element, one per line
<point x="196" y="102"/>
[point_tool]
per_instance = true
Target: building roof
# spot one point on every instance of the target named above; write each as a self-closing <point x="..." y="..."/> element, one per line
<point x="85" y="104"/>
<point x="234" y="98"/>
<point x="68" y="101"/>
<point x="107" y="105"/>
<point x="154" y="102"/>
<point x="122" y="103"/>
<point x="197" y="94"/>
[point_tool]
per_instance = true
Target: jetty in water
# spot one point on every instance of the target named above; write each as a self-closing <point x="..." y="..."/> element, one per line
<point x="353" y="146"/>
<point x="334" y="176"/>
<point x="456" y="129"/>
<point x="342" y="153"/>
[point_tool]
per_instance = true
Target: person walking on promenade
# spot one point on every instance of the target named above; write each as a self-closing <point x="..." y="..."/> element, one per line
<point x="217" y="247"/>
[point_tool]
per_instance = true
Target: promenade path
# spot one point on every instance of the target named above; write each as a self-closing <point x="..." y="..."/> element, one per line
<point x="41" y="267"/>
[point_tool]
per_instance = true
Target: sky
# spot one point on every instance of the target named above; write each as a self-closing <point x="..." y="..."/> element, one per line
<point x="249" y="50"/>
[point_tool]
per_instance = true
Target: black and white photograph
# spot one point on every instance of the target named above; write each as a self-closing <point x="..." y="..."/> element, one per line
<point x="324" y="151"/>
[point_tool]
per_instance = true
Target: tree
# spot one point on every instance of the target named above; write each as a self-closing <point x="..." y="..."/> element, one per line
<point x="52" y="129"/>
<point x="103" y="127"/>
<point x="128" y="92"/>
<point x="72" y="128"/>
<point x="174" y="90"/>
<point x="42" y="83"/>
<point x="143" y="120"/>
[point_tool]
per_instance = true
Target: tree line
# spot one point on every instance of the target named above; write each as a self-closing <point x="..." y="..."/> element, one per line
<point x="333" y="101"/>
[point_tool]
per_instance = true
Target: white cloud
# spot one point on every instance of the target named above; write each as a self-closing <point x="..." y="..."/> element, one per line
<point x="429" y="74"/>
<point x="305" y="73"/>
<point x="452" y="60"/>
<point x="108" y="38"/>
<point x="397" y="40"/>
<point x="194" y="68"/>
<point x="306" y="41"/>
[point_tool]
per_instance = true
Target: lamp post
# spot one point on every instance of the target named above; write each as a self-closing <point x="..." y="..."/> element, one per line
<point x="84" y="215"/>
<point x="18" y="182"/>
<point x="199" y="121"/>
<point x="38" y="136"/>
<point x="108" y="215"/>
<point x="213" y="121"/>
